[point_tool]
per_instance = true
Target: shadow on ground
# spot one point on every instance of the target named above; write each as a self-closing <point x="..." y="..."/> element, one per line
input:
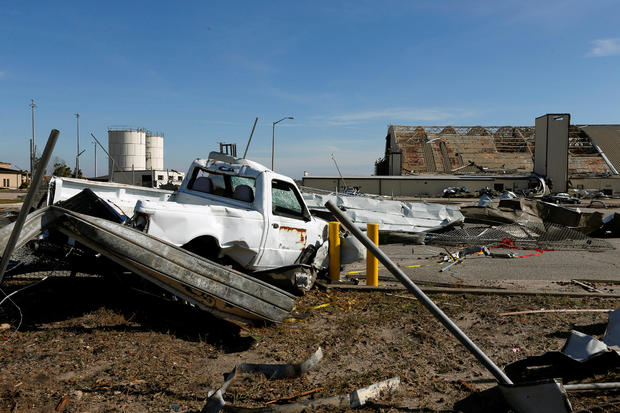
<point x="142" y="307"/>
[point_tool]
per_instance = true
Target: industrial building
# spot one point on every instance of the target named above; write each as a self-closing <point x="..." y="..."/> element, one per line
<point x="423" y="160"/>
<point x="136" y="157"/>
<point x="11" y="178"/>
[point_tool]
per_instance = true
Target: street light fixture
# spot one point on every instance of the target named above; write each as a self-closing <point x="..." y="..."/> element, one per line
<point x="273" y="137"/>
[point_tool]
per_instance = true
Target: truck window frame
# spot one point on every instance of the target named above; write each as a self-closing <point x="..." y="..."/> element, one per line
<point x="281" y="210"/>
<point x="229" y="186"/>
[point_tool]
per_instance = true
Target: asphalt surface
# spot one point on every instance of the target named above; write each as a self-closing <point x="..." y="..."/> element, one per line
<point x="549" y="271"/>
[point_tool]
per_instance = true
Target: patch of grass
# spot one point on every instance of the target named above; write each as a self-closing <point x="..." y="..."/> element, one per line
<point x="10" y="201"/>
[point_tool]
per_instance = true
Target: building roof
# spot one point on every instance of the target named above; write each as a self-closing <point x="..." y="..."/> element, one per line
<point x="489" y="149"/>
<point x="10" y="171"/>
<point x="607" y="138"/>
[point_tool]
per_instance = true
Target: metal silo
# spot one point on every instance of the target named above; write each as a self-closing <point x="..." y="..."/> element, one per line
<point x="128" y="148"/>
<point x="155" y="151"/>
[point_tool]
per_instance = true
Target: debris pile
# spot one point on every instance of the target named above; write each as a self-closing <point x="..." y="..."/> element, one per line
<point x="532" y="236"/>
<point x="392" y="216"/>
<point x="215" y="399"/>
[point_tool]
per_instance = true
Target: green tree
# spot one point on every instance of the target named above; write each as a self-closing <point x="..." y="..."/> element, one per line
<point x="61" y="168"/>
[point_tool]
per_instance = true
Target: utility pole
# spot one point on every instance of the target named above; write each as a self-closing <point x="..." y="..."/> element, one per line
<point x="77" y="156"/>
<point x="33" y="148"/>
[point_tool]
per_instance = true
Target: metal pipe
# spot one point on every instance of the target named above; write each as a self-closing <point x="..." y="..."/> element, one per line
<point x="28" y="201"/>
<point x="250" y="140"/>
<point x="592" y="386"/>
<point x="419" y="294"/>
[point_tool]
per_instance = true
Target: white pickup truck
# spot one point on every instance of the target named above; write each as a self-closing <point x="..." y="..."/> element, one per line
<point x="227" y="209"/>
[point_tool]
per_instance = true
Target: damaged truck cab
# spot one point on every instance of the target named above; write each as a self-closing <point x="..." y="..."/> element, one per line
<point x="235" y="209"/>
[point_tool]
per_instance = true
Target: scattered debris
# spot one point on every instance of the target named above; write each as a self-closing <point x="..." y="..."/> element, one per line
<point x="533" y="213"/>
<point x="353" y="400"/>
<point x="215" y="399"/>
<point x="586" y="286"/>
<point x="532" y="237"/>
<point x="281" y="371"/>
<point x="455" y="192"/>
<point x="581" y="356"/>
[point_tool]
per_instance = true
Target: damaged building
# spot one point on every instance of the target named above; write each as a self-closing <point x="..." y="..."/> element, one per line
<point x="423" y="160"/>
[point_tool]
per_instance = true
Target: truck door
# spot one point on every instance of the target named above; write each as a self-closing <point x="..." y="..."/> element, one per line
<point x="287" y="226"/>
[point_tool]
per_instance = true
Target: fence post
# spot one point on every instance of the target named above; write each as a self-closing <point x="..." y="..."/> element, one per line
<point x="334" y="251"/>
<point x="372" y="264"/>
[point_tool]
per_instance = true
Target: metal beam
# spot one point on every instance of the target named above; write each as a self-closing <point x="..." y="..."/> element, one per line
<point x="35" y="183"/>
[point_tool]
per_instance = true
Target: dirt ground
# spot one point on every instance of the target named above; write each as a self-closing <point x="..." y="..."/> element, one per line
<point x="96" y="344"/>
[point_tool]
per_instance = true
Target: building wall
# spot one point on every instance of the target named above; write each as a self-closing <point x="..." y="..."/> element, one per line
<point x="148" y="178"/>
<point x="414" y="186"/>
<point x="434" y="186"/>
<point x="11" y="180"/>
<point x="609" y="185"/>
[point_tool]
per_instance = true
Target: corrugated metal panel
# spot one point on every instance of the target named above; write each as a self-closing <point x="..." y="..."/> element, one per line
<point x="606" y="137"/>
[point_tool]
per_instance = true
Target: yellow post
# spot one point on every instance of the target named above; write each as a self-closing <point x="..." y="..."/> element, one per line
<point x="334" y="251"/>
<point x="372" y="264"/>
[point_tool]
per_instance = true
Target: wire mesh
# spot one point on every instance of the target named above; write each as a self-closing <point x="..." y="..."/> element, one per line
<point x="535" y="236"/>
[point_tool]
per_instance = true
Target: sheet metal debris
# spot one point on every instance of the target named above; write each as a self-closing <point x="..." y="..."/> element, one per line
<point x="532" y="212"/>
<point x="531" y="236"/>
<point x="580" y="356"/>
<point x="539" y="397"/>
<point x="281" y="371"/>
<point x="392" y="216"/>
<point x="215" y="398"/>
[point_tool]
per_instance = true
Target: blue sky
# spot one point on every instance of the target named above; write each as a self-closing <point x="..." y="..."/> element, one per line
<point x="202" y="71"/>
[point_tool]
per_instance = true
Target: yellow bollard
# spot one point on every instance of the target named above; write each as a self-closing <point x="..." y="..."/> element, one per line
<point x="372" y="264"/>
<point x="334" y="251"/>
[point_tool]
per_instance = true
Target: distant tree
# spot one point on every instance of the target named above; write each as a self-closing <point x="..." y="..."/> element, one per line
<point x="78" y="174"/>
<point x="61" y="168"/>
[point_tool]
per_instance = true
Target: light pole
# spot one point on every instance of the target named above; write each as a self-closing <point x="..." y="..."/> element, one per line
<point x="273" y="137"/>
<point x="33" y="148"/>
<point x="77" y="157"/>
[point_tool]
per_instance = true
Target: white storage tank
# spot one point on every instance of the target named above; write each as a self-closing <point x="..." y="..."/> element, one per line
<point x="128" y="148"/>
<point x="155" y="151"/>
